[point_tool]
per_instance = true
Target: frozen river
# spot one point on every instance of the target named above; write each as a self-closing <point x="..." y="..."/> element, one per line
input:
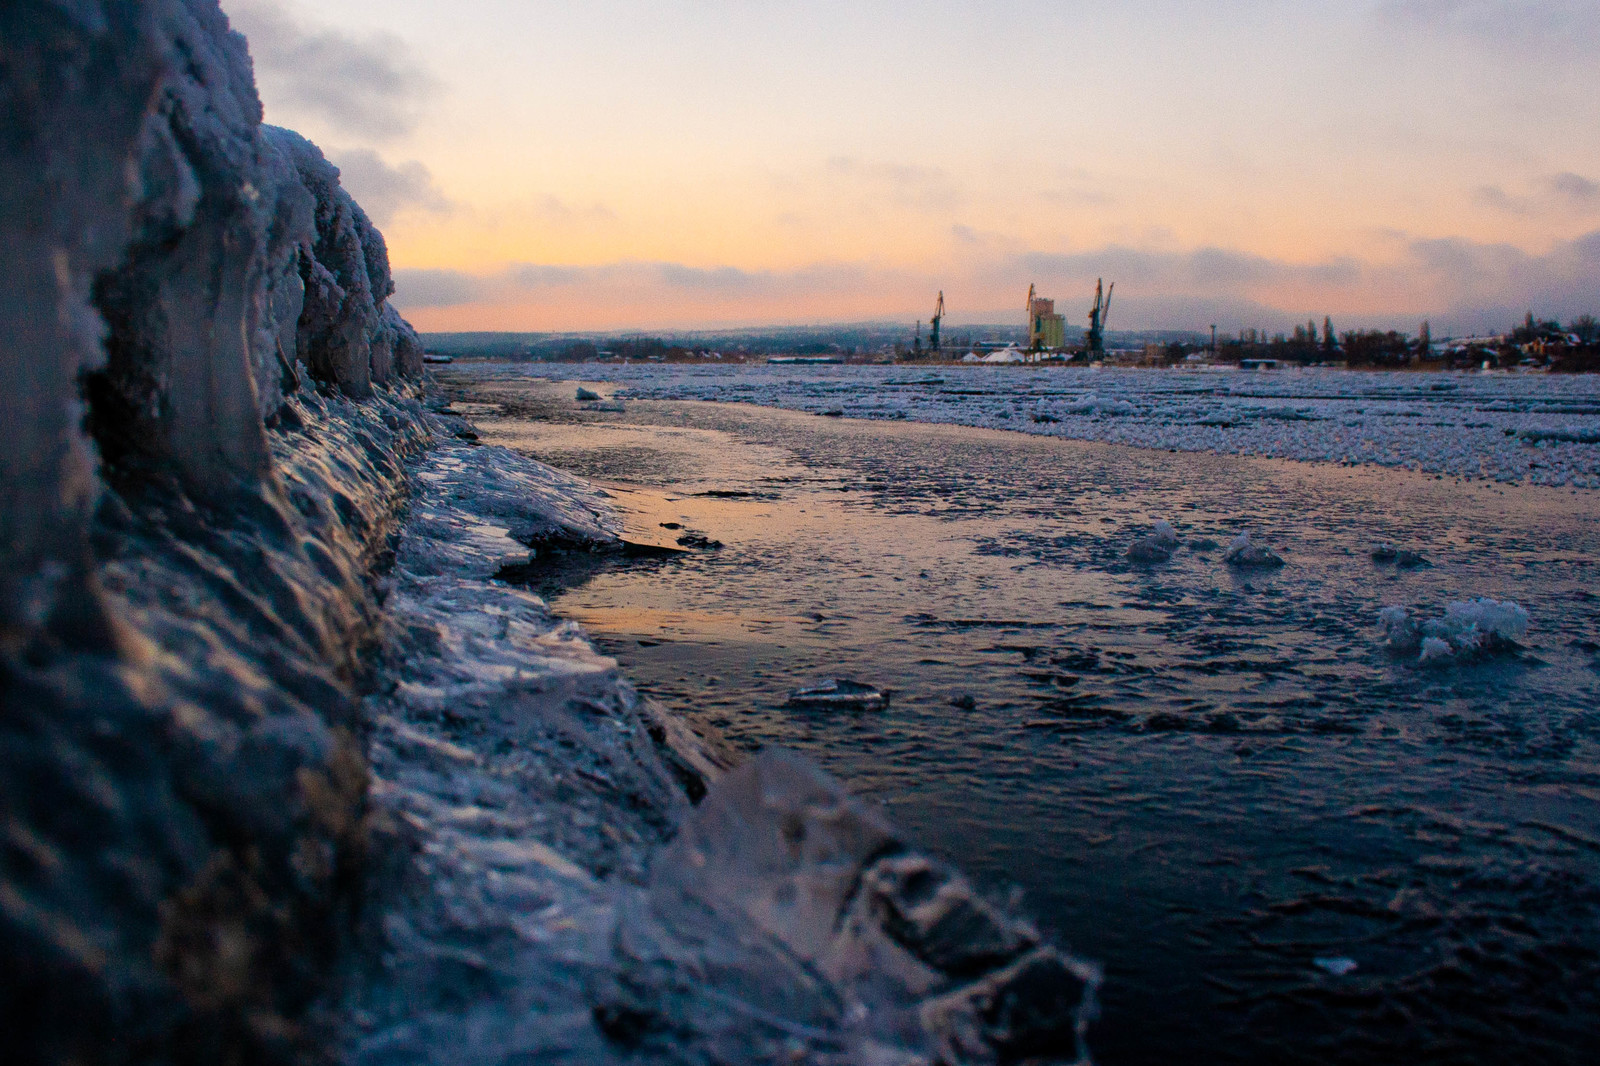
<point x="1284" y="842"/>
<point x="1541" y="429"/>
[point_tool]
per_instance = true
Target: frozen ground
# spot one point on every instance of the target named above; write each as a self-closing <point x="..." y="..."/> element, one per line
<point x="1535" y="428"/>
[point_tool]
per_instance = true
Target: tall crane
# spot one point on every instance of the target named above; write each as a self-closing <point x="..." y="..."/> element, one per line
<point x="1097" y="318"/>
<point x="1033" y="325"/>
<point x="938" y="315"/>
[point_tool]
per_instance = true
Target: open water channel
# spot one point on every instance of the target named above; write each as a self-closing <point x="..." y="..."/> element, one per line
<point x="1283" y="843"/>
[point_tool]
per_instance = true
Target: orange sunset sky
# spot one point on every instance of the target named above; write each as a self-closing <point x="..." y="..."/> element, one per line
<point x="625" y="165"/>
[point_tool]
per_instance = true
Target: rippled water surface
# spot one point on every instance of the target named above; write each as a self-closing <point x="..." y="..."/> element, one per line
<point x="1216" y="782"/>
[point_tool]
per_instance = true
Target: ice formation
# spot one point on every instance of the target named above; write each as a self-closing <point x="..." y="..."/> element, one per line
<point x="1246" y="554"/>
<point x="1536" y="428"/>
<point x="1468" y="628"/>
<point x="214" y="429"/>
<point x="1157" y="547"/>
<point x="194" y="502"/>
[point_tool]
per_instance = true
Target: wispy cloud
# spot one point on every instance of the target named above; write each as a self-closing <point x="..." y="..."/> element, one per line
<point x="385" y="191"/>
<point x="1576" y="188"/>
<point x="1564" y="193"/>
<point x="1499" y="23"/>
<point x="556" y="209"/>
<point x="369" y="87"/>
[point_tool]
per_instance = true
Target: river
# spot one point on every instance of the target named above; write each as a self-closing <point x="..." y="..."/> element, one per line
<point x="1284" y="843"/>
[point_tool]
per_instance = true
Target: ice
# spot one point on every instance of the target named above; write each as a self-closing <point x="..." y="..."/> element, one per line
<point x="1157" y="547"/>
<point x="1339" y="966"/>
<point x="1434" y="649"/>
<point x="1485" y="623"/>
<point x="1246" y="554"/>
<point x="840" y="693"/>
<point x="1534" y="428"/>
<point x="1468" y="628"/>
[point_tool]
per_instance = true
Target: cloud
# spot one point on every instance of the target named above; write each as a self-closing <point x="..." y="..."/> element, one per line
<point x="1496" y="198"/>
<point x="384" y="191"/>
<point x="368" y="87"/>
<point x="1488" y="281"/>
<point x="556" y="209"/>
<point x="1197" y="270"/>
<point x="666" y="280"/>
<point x="1460" y="285"/>
<point x="438" y="288"/>
<point x="1563" y="193"/>
<point x="1576" y="188"/>
<point x="1499" y="23"/>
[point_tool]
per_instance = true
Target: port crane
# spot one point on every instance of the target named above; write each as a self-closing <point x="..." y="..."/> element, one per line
<point x="938" y="316"/>
<point x="1097" y="318"/>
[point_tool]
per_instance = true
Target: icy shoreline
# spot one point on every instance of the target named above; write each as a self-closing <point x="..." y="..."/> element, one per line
<point x="536" y="837"/>
<point x="1518" y="428"/>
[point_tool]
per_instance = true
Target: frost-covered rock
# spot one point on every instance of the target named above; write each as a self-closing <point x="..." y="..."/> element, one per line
<point x="1245" y="554"/>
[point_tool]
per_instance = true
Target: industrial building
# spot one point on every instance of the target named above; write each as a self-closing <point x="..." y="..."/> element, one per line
<point x="1046" y="329"/>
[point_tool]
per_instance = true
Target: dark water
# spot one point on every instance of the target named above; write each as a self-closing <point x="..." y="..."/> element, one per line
<point x="1208" y="780"/>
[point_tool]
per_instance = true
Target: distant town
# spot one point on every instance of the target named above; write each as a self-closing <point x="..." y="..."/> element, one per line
<point x="1043" y="336"/>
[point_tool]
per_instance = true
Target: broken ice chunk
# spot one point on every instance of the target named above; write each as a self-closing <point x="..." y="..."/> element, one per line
<point x="1339" y="966"/>
<point x="840" y="693"/>
<point x="1469" y="627"/>
<point x="1434" y="649"/>
<point x="1157" y="547"/>
<point x="1242" y="553"/>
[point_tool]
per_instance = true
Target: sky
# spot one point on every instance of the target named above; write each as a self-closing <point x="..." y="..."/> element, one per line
<point x="622" y="165"/>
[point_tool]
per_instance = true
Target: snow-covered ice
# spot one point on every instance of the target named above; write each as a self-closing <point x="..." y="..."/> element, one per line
<point x="1468" y="627"/>
<point x="1537" y="428"/>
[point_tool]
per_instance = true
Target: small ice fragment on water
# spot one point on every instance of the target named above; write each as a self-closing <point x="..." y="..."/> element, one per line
<point x="1243" y="553"/>
<point x="1385" y="553"/>
<point x="585" y="396"/>
<point x="1399" y="629"/>
<point x="840" y="693"/>
<point x="1157" y="547"/>
<point x="1339" y="966"/>
<point x="1492" y="621"/>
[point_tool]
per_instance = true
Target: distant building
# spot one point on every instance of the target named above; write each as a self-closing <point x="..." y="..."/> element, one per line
<point x="1046" y="329"/>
